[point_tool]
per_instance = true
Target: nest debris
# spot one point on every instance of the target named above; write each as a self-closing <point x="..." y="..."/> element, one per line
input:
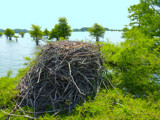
<point x="64" y="74"/>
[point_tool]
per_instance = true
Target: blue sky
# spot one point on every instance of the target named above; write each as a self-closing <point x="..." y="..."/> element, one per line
<point x="79" y="13"/>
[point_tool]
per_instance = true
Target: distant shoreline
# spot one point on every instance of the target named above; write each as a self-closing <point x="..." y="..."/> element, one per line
<point x="83" y="29"/>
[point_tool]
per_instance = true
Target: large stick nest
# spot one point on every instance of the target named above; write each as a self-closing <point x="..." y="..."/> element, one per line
<point x="64" y="74"/>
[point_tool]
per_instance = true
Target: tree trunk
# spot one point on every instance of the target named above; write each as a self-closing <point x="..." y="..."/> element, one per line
<point x="36" y="40"/>
<point x="10" y="38"/>
<point x="97" y="39"/>
<point x="57" y="38"/>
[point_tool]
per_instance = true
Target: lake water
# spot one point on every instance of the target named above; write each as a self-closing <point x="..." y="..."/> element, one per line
<point x="12" y="53"/>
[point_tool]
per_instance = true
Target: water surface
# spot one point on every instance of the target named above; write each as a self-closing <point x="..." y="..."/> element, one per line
<point x="12" y="52"/>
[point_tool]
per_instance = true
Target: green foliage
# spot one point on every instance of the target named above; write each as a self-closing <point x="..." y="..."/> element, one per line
<point x="8" y="92"/>
<point x="130" y="65"/>
<point x="134" y="63"/>
<point x="97" y="31"/>
<point x="111" y="105"/>
<point x="9" y="33"/>
<point x="22" y="34"/>
<point x="61" y="30"/>
<point x="55" y="32"/>
<point x="1" y="34"/>
<point x="36" y="33"/>
<point x="46" y="33"/>
<point x="7" y="86"/>
<point x="62" y="38"/>
<point x="9" y="73"/>
<point x="16" y="36"/>
<point x="125" y="30"/>
<point x="64" y="28"/>
<point x="146" y="17"/>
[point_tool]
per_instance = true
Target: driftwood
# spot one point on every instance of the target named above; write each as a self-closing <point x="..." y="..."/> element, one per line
<point x="65" y="73"/>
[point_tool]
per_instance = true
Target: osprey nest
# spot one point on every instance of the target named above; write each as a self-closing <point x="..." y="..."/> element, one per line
<point x="64" y="74"/>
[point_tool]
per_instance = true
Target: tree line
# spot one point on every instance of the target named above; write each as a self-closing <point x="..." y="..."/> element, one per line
<point x="61" y="31"/>
<point x="83" y="29"/>
<point x="16" y="30"/>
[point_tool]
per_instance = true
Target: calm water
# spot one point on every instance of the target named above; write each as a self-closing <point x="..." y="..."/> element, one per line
<point x="12" y="52"/>
<point x="114" y="37"/>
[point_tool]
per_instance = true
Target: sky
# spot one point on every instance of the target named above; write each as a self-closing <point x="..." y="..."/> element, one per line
<point x="79" y="13"/>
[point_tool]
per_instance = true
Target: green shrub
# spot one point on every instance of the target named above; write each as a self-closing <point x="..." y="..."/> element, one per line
<point x="7" y="86"/>
<point x="114" y="104"/>
<point x="134" y="62"/>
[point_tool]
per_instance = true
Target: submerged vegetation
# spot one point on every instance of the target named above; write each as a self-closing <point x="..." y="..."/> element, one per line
<point x="22" y="34"/>
<point x="97" y="31"/>
<point x="9" y="33"/>
<point x="62" y="29"/>
<point x="46" y="33"/>
<point x="36" y="33"/>
<point x="1" y="34"/>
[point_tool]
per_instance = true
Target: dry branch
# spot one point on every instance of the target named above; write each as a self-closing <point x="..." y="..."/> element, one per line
<point x="64" y="74"/>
